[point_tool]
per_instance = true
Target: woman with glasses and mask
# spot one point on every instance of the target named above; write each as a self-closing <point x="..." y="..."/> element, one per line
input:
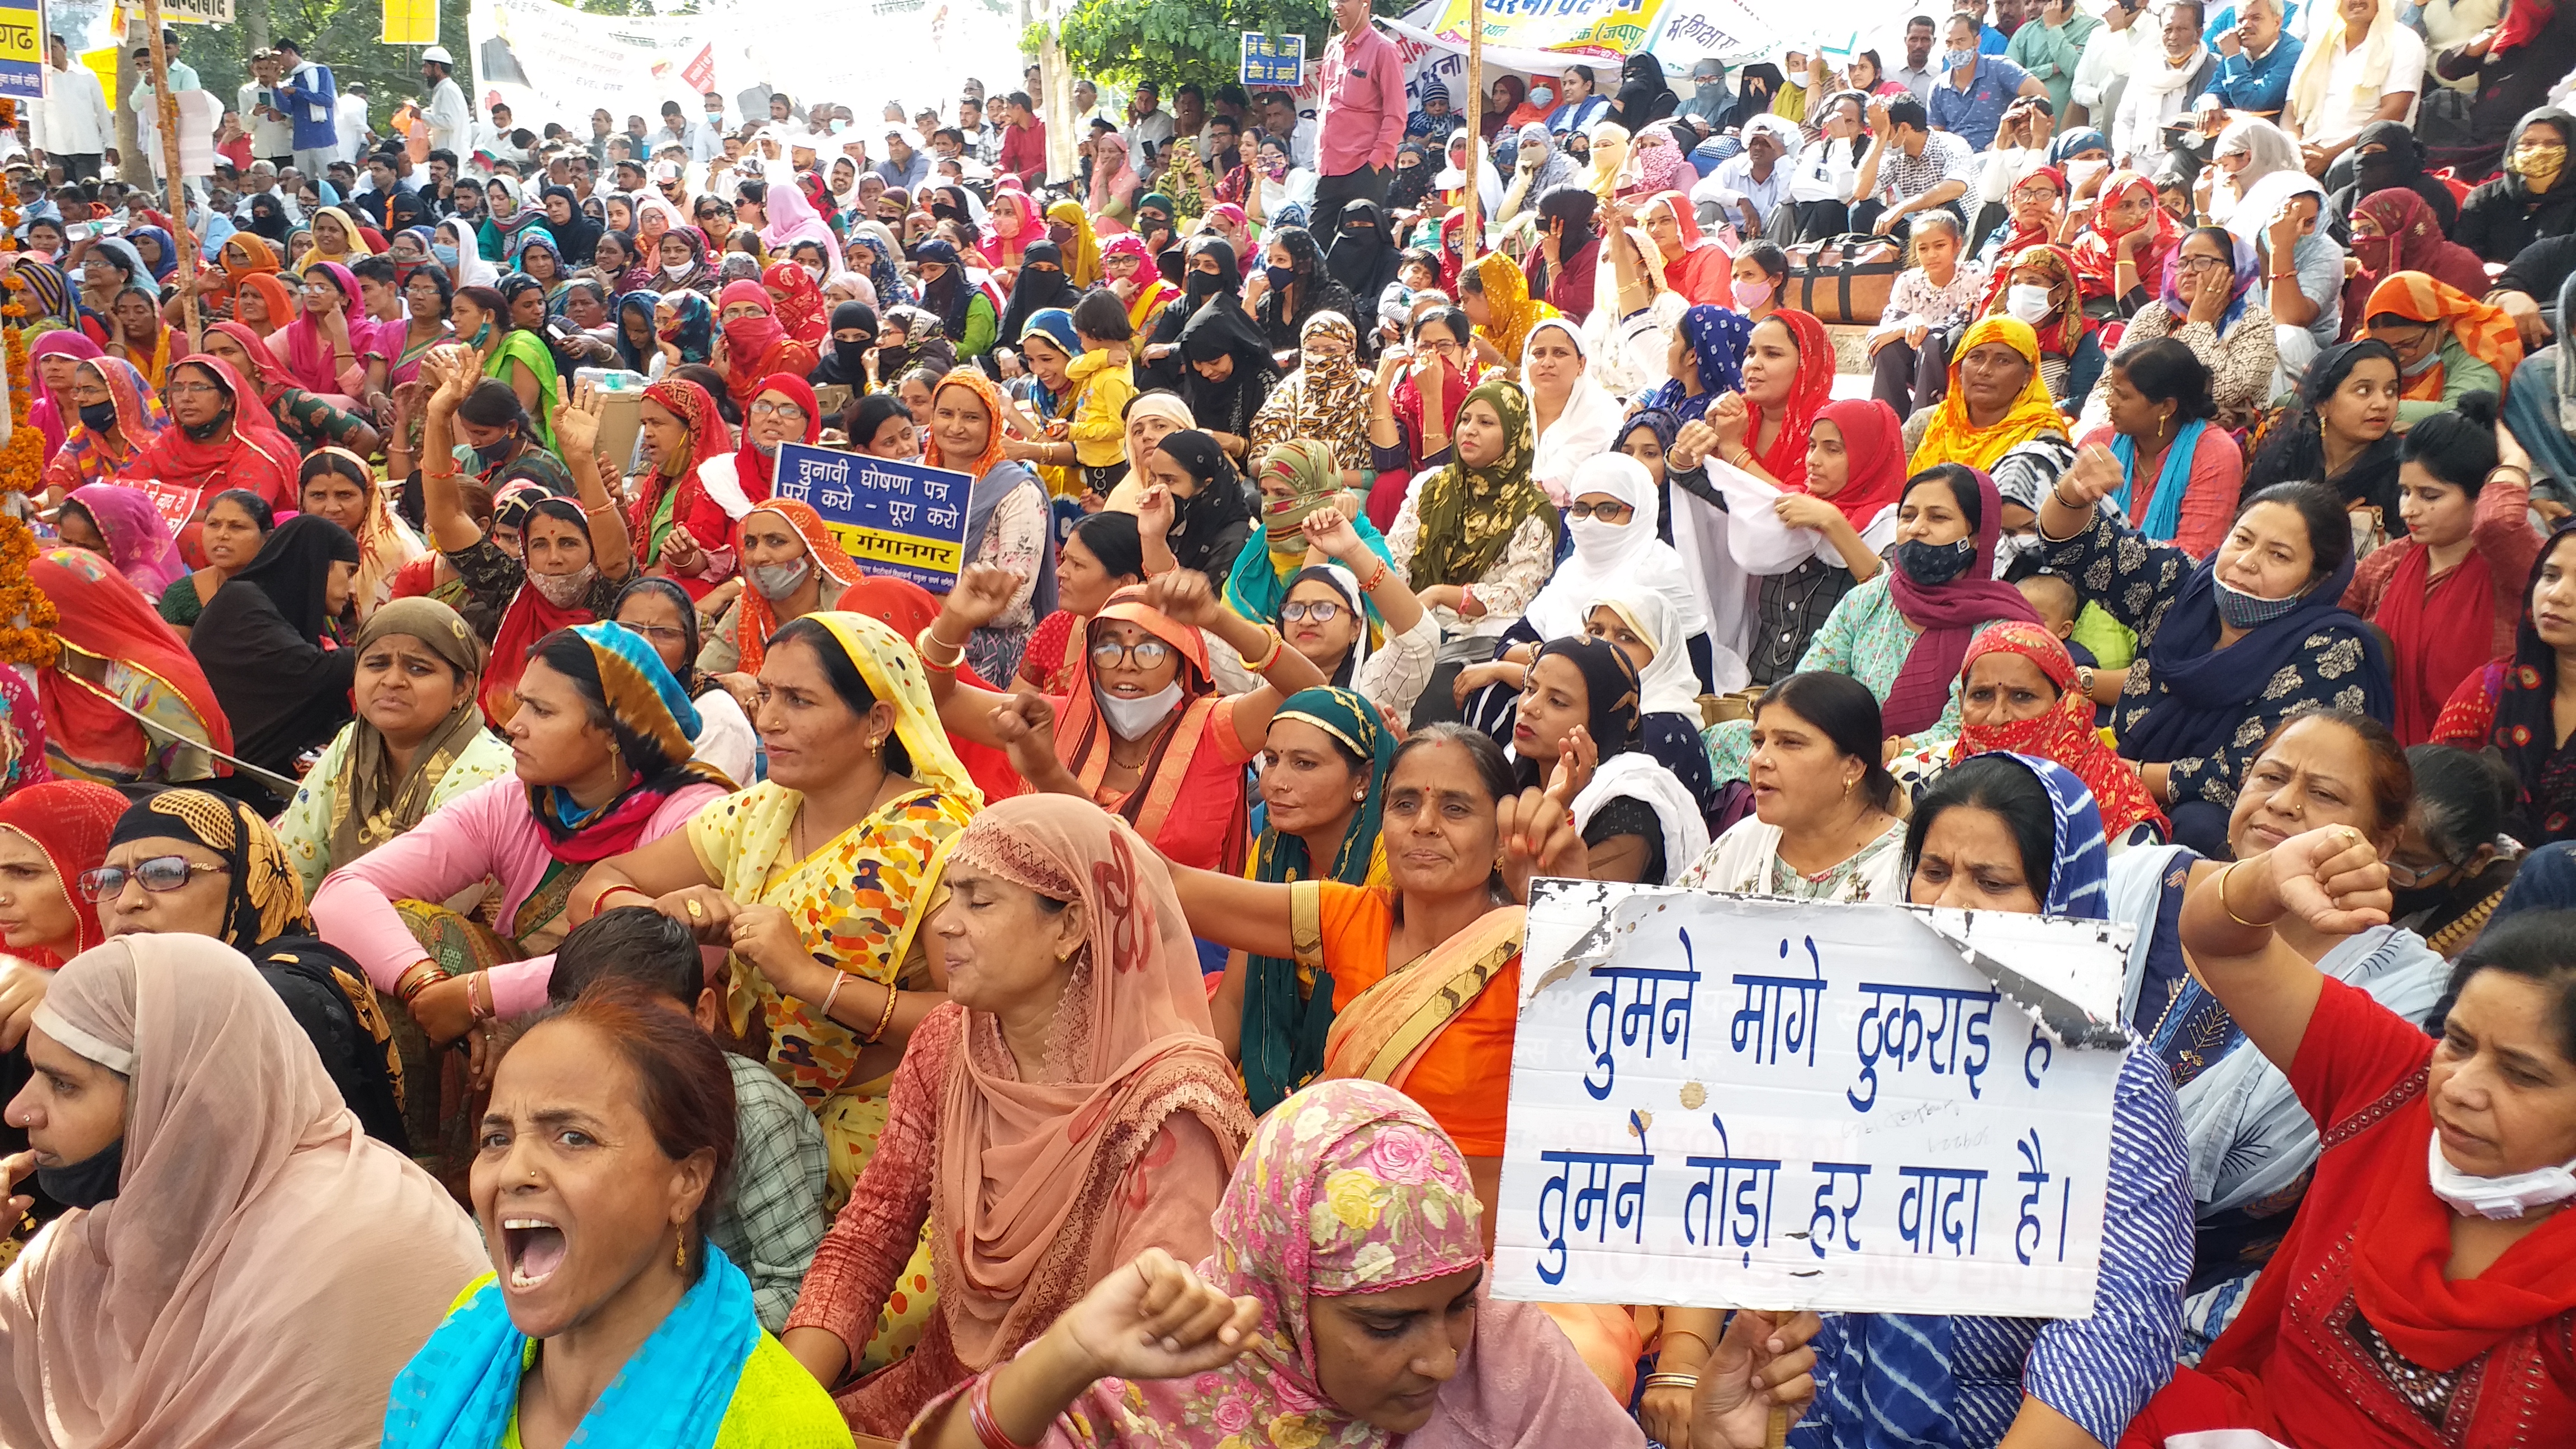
<point x="1149" y="738"/>
<point x="2452" y="864"/>
<point x="2449" y="344"/>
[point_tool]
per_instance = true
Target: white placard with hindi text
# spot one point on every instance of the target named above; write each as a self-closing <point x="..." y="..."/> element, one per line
<point x="1735" y="1101"/>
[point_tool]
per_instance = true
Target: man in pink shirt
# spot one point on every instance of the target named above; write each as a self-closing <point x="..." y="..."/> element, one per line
<point x="1023" y="142"/>
<point x="1362" y="119"/>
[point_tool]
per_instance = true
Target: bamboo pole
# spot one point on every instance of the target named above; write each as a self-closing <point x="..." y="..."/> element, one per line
<point x="165" y="108"/>
<point x="1475" y="130"/>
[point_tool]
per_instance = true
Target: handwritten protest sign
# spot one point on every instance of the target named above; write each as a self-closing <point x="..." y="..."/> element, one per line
<point x="898" y="519"/>
<point x="1735" y="1101"/>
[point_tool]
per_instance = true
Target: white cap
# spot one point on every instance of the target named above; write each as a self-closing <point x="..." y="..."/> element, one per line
<point x="438" y="53"/>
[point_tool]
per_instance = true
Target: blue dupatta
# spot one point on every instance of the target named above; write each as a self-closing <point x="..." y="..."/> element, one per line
<point x="461" y="1391"/>
<point x="2164" y="509"/>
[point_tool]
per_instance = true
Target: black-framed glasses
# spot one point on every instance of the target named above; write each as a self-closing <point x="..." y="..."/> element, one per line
<point x="1143" y="654"/>
<point x="1320" y="611"/>
<point x="1606" y="512"/>
<point x="159" y="874"/>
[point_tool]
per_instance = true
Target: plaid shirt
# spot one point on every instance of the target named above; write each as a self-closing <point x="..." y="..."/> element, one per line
<point x="773" y="1218"/>
<point x="1945" y="158"/>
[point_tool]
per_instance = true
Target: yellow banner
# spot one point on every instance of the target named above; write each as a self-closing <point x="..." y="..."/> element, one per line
<point x="411" y="22"/>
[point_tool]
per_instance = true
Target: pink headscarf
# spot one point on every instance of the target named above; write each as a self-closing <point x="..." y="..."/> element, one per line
<point x="792" y="219"/>
<point x="1112" y="180"/>
<point x="308" y="355"/>
<point x="49" y="413"/>
<point x="1128" y="244"/>
<point x="165" y="1315"/>
<point x="138" y="539"/>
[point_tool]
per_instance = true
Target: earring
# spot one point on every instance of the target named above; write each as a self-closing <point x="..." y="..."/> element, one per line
<point x="680" y="1252"/>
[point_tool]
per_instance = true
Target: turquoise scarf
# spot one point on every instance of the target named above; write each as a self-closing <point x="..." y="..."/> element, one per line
<point x="460" y="1390"/>
<point x="2164" y="515"/>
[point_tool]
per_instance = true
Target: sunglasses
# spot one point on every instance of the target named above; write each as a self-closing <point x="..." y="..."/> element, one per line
<point x="160" y="874"/>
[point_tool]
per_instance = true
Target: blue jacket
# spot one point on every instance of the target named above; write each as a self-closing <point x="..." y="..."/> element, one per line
<point x="2246" y="84"/>
<point x="312" y="107"/>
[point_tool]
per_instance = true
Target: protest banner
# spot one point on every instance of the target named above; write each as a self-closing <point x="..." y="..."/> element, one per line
<point x="22" y="50"/>
<point x="1735" y="1101"/>
<point x="900" y="519"/>
<point x="175" y="504"/>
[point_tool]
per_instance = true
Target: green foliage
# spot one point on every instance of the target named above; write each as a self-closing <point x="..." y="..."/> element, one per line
<point x="342" y="34"/>
<point x="1176" y="41"/>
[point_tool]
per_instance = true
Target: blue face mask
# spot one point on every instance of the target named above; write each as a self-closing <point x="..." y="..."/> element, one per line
<point x="1281" y="278"/>
<point x="446" y="255"/>
<point x="1958" y="59"/>
<point x="483" y="334"/>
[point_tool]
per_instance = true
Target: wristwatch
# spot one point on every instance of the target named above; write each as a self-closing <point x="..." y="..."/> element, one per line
<point x="2084" y="680"/>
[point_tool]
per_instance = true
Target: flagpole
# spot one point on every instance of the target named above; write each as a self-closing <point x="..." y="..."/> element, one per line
<point x="1475" y="129"/>
<point x="165" y="107"/>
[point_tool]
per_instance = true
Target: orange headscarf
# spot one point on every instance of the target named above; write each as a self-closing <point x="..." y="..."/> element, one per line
<point x="2485" y="332"/>
<point x="272" y="293"/>
<point x="754" y="619"/>
<point x="973" y="380"/>
<point x="263" y="261"/>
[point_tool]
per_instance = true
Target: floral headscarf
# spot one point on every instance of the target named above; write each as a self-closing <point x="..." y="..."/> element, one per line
<point x="1331" y="393"/>
<point x="139" y="420"/>
<point x="1716" y="337"/>
<point x="1468" y="515"/>
<point x="1508" y="301"/>
<point x="2483" y="331"/>
<point x="2066" y="333"/>
<point x="801" y="311"/>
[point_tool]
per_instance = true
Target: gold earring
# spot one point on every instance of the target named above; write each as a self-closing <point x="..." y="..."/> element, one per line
<point x="680" y="1252"/>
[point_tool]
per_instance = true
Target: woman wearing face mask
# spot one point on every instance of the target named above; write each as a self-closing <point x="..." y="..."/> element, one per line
<point x="1006" y="515"/>
<point x="1210" y="282"/>
<point x="2124" y="247"/>
<point x="1193" y="514"/>
<point x="1294" y="479"/>
<point x="849" y="353"/>
<point x="681" y="254"/>
<point x="2228" y="648"/>
<point x="2453" y="854"/>
<point x="453" y="248"/>
<point x="1041" y="285"/>
<point x="684" y="331"/>
<point x="2528" y="202"/>
<point x="174" y="1077"/>
<point x="2339" y="431"/>
<point x="967" y="316"/>
<point x="517" y="356"/>
<point x="1997" y="416"/>
<point x="338" y="485"/>
<point x="1146" y="730"/>
<point x="1325" y="400"/>
<point x="796" y="299"/>
<point x="2436" y="1214"/>
<point x="1101" y="556"/>
<point x="1377" y="639"/>
<point x="220" y="435"/>
<point x="2038" y="286"/>
<point x="55" y="358"/>
<point x="792" y="567"/>
<point x="1759" y="279"/>
<point x="269" y="639"/>
<point x="1413" y="408"/>
<point x="1294" y="286"/>
<point x="2181" y="469"/>
<point x="663" y="613"/>
<point x="114" y="419"/>
<point x="2019" y="690"/>
<point x="2444" y="594"/>
<point x="755" y="345"/>
<point x="1579" y="713"/>
<point x="2205" y="306"/>
<point x="1573" y="416"/>
<point x="1227" y="373"/>
<point x="2448" y="343"/>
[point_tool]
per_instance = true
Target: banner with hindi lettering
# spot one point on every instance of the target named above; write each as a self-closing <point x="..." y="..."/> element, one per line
<point x="899" y="519"/>
<point x="22" y="50"/>
<point x="1722" y="1101"/>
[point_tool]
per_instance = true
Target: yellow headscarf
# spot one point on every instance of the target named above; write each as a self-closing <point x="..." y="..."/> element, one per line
<point x="1951" y="438"/>
<point x="349" y="227"/>
<point x="1508" y="302"/>
<point x="1082" y="254"/>
<point x="886" y="661"/>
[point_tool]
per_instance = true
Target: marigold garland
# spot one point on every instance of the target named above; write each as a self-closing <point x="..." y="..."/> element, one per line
<point x="22" y="463"/>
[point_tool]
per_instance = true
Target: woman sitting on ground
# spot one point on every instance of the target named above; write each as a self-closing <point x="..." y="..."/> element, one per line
<point x="2340" y="431"/>
<point x="2179" y="468"/>
<point x="2204" y="306"/>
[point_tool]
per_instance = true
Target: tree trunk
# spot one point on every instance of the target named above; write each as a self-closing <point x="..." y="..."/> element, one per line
<point x="252" y="17"/>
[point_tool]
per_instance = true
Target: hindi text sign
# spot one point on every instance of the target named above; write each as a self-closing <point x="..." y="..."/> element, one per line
<point x="1723" y="1101"/>
<point x="22" y="50"/>
<point x="1273" y="62"/>
<point x="899" y="519"/>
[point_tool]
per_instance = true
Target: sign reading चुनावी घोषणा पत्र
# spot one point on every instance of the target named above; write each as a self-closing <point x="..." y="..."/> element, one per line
<point x="900" y="519"/>
<point x="1737" y="1101"/>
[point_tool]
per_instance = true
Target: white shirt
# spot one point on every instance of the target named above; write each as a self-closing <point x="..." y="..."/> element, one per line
<point x="2353" y="89"/>
<point x="351" y="118"/>
<point x="1148" y="137"/>
<point x="2109" y="55"/>
<point x="1825" y="171"/>
<point x="1735" y="179"/>
<point x="74" y="120"/>
<point x="268" y="139"/>
<point x="707" y="138"/>
<point x="451" y="121"/>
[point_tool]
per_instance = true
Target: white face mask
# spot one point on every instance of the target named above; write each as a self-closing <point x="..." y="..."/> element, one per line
<point x="777" y="581"/>
<point x="1131" y="719"/>
<point x="2079" y="172"/>
<point x="681" y="269"/>
<point x="2026" y="303"/>
<point x="2495" y="1197"/>
<point x="1596" y="539"/>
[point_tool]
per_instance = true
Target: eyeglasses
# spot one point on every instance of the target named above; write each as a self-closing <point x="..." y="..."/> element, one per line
<point x="1606" y="512"/>
<point x="657" y="633"/>
<point x="787" y="410"/>
<point x="1322" y="611"/>
<point x="2205" y="264"/>
<point x="2035" y="193"/>
<point x="160" y="874"/>
<point x="190" y="389"/>
<point x="2408" y="877"/>
<point x="1144" y="654"/>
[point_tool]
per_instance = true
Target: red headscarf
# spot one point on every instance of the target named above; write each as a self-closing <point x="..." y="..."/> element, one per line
<point x="753" y="469"/>
<point x="69" y="820"/>
<point x="801" y="311"/>
<point x="247" y="451"/>
<point x="528" y="619"/>
<point x="2065" y="733"/>
<point x="1949" y="614"/>
<point x="2097" y="253"/>
<point x="755" y="347"/>
<point x="755" y="619"/>
<point x="1874" y="445"/>
<point x="2029" y="236"/>
<point x="1705" y="271"/>
<point x="105" y="617"/>
<point x="1786" y="458"/>
<point x="694" y="509"/>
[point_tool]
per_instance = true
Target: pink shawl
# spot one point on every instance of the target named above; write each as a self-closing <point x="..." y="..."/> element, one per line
<point x="303" y="349"/>
<point x="1949" y="615"/>
<point x="138" y="540"/>
<point x="792" y="219"/>
<point x="1519" y="1383"/>
<point x="266" y="1267"/>
<point x="50" y="414"/>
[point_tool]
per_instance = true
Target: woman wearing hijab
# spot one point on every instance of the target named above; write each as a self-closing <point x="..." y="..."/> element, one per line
<point x="966" y="314"/>
<point x="113" y="660"/>
<point x="1478" y="538"/>
<point x="114" y="419"/>
<point x="848" y="350"/>
<point x="505" y="219"/>
<point x="2530" y="200"/>
<point x="1146" y="1063"/>
<point x="1638" y="823"/>
<point x="2125" y="246"/>
<point x="1208" y="517"/>
<point x="254" y="1174"/>
<point x="221" y="435"/>
<point x="2448" y="343"/>
<point x="684" y="329"/>
<point x="2393" y="231"/>
<point x="681" y="254"/>
<point x="1644" y="95"/>
<point x="1228" y="374"/>
<point x="452" y="246"/>
<point x="2386" y="157"/>
<point x="262" y="641"/>
<point x="53" y="411"/>
<point x="337" y="484"/>
<point x="268" y="219"/>
<point x="1069" y="227"/>
<point x="796" y="300"/>
<point x="1364" y="256"/>
<point x="574" y="233"/>
<point x="416" y="743"/>
<point x="121" y="525"/>
<point x="1707" y="362"/>
<point x="1573" y="415"/>
<point x="2227" y="648"/>
<point x="2041" y="285"/>
<point x="1041" y="285"/>
<point x="1494" y="293"/>
<point x="1211" y="281"/>
<point x="1325" y="399"/>
<point x="1296" y="287"/>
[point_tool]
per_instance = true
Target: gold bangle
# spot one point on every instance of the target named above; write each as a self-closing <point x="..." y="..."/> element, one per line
<point x="929" y="636"/>
<point x="1278" y="646"/>
<point x="422" y="976"/>
<point x="2231" y="910"/>
<point x="884" y="1021"/>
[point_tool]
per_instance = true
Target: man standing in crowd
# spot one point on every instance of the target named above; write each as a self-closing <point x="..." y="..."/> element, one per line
<point x="311" y="99"/>
<point x="1918" y="74"/>
<point x="272" y="134"/>
<point x="1362" y="85"/>
<point x="350" y="115"/>
<point x="1148" y="128"/>
<point x="1970" y="100"/>
<point x="72" y="125"/>
<point x="449" y="116"/>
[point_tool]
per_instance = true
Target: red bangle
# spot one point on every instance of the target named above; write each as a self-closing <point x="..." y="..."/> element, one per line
<point x="979" y="1415"/>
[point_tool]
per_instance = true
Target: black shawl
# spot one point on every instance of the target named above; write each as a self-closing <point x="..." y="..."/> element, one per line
<point x="260" y="641"/>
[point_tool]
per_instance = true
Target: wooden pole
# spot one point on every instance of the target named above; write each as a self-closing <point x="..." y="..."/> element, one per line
<point x="166" y="112"/>
<point x="1475" y="130"/>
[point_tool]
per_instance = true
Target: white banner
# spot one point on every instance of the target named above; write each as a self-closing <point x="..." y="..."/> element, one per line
<point x="1731" y="1101"/>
